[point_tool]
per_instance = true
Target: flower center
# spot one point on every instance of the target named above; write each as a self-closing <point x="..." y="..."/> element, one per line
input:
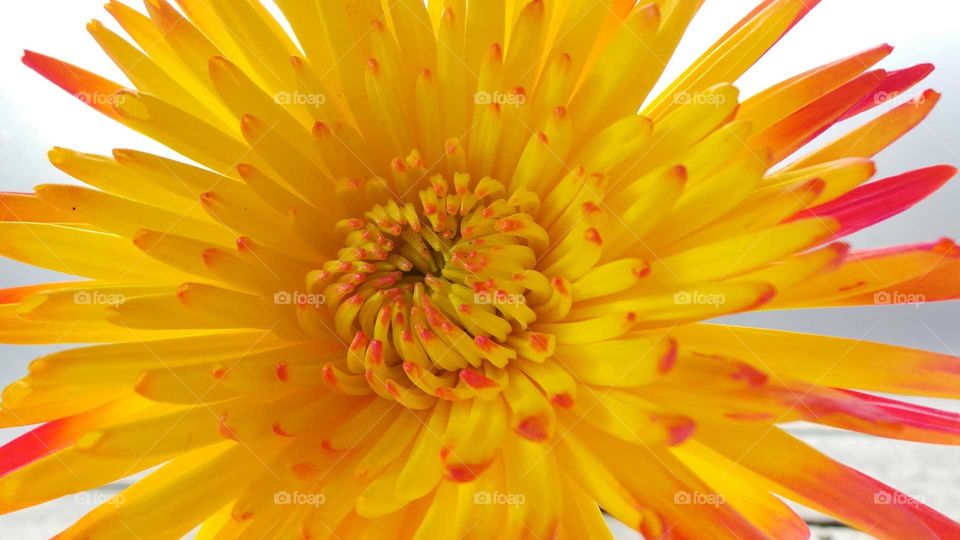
<point x="433" y="295"/>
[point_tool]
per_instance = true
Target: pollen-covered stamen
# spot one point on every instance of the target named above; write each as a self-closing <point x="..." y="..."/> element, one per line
<point x="433" y="295"/>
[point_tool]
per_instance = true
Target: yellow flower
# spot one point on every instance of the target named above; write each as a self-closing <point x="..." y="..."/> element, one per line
<point x="433" y="276"/>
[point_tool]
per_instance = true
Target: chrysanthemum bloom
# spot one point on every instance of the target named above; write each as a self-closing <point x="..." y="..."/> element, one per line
<point x="432" y="275"/>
